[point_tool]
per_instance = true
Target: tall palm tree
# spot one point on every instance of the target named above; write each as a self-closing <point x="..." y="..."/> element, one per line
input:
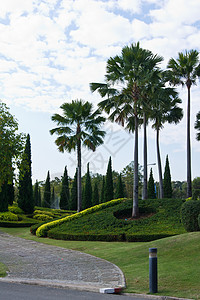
<point x="165" y="109"/>
<point x="78" y="126"/>
<point x="197" y="125"/>
<point x="132" y="70"/>
<point x="184" y="71"/>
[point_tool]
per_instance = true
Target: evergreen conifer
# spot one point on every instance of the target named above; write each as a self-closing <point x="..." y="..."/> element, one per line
<point x="39" y="197"/>
<point x="73" y="202"/>
<point x="3" y="197"/>
<point x="95" y="194"/>
<point x="53" y="198"/>
<point x="47" y="192"/>
<point x="64" y="195"/>
<point x="36" y="194"/>
<point x="102" y="198"/>
<point x="25" y="197"/>
<point x="151" y="187"/>
<point x="109" y="182"/>
<point x="119" y="188"/>
<point x="87" y="190"/>
<point x="167" y="184"/>
<point x="10" y="193"/>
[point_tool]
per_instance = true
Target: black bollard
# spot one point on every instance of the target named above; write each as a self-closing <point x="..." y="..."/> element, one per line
<point x="153" y="273"/>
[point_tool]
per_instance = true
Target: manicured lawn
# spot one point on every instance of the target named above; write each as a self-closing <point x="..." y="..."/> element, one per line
<point x="178" y="261"/>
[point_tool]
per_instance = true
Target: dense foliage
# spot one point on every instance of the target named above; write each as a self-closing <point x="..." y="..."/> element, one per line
<point x="151" y="186"/>
<point x="190" y="211"/>
<point x="159" y="218"/>
<point x="64" y="195"/>
<point x="25" y="196"/>
<point x="167" y="184"/>
<point x="47" y="192"/>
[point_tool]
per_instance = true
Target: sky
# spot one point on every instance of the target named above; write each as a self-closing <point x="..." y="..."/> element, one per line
<point x="50" y="50"/>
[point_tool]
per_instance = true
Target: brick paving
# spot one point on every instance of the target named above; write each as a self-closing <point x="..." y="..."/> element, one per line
<point x="37" y="263"/>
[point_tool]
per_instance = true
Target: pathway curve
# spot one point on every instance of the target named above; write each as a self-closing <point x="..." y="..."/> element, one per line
<point x="37" y="263"/>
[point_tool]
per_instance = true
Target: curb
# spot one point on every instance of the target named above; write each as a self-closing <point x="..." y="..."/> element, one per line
<point x="154" y="297"/>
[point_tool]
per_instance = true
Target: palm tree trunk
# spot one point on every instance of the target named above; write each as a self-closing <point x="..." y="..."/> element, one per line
<point x="79" y="188"/>
<point x="159" y="164"/>
<point x="144" y="194"/>
<point x="135" y="211"/>
<point x="189" y="180"/>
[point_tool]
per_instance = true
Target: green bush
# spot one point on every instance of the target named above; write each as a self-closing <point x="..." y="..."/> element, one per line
<point x="190" y="211"/>
<point x="43" y="230"/>
<point x="8" y="216"/>
<point x="41" y="212"/>
<point x="43" y="217"/>
<point x="34" y="227"/>
<point x="15" y="210"/>
<point x="159" y="219"/>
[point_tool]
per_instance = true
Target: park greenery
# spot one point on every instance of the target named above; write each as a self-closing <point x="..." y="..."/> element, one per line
<point x="118" y="206"/>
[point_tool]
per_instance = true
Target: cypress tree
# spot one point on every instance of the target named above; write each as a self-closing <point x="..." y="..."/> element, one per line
<point x="95" y="194"/>
<point x="25" y="197"/>
<point x="47" y="192"/>
<point x="3" y="197"/>
<point x="102" y="198"/>
<point x="167" y="184"/>
<point x="53" y="198"/>
<point x="64" y="195"/>
<point x="87" y="190"/>
<point x="10" y="193"/>
<point x="151" y="187"/>
<point x="36" y="194"/>
<point x="109" y="182"/>
<point x="119" y="188"/>
<point x="73" y="202"/>
<point x="39" y="197"/>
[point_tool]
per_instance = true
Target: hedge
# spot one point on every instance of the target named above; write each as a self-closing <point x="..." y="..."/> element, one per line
<point x="43" y="229"/>
<point x="190" y="211"/>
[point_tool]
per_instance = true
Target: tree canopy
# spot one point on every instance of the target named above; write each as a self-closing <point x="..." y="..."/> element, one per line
<point x="11" y="144"/>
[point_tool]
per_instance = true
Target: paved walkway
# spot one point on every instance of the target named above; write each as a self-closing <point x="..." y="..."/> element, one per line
<point x="37" y="263"/>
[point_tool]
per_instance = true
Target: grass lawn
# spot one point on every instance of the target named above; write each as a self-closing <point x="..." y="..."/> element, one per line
<point x="178" y="261"/>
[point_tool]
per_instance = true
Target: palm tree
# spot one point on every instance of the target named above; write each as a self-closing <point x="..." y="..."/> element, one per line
<point x="197" y="125"/>
<point x="165" y="109"/>
<point x="132" y="70"/>
<point x="77" y="127"/>
<point x="184" y="71"/>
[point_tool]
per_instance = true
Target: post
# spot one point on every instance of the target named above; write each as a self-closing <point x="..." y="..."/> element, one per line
<point x="153" y="274"/>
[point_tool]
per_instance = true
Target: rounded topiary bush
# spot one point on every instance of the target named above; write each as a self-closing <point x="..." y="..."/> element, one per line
<point x="42" y="217"/>
<point x="8" y="216"/>
<point x="190" y="211"/>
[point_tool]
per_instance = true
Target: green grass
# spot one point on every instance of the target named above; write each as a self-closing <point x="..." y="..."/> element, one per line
<point x="178" y="261"/>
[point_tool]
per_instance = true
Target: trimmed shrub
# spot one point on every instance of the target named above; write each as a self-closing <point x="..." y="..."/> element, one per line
<point x="8" y="216"/>
<point x="158" y="219"/>
<point x="15" y="210"/>
<point x="43" y="230"/>
<point x="190" y="211"/>
<point x="41" y="212"/>
<point x="42" y="217"/>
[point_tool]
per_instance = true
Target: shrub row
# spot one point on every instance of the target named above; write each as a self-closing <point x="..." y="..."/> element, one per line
<point x="8" y="216"/>
<point x="107" y="237"/>
<point x="43" y="229"/>
<point x="161" y="218"/>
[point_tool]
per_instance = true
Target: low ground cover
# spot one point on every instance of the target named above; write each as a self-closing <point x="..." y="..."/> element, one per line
<point x="159" y="218"/>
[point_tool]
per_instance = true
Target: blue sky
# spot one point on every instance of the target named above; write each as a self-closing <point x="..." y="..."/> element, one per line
<point x="51" y="50"/>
